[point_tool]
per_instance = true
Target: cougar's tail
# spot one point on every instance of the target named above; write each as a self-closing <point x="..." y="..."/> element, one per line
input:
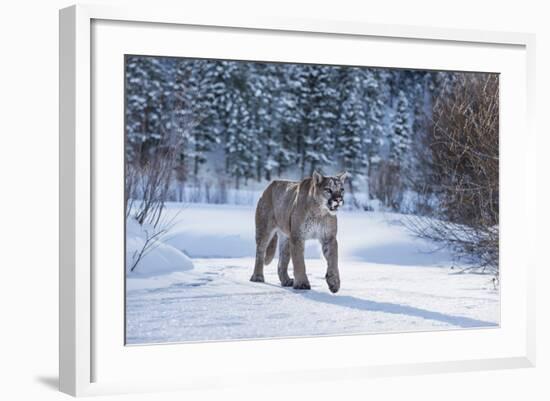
<point x="270" y="251"/>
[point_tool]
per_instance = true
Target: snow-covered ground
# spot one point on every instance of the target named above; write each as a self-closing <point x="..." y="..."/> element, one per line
<point x="391" y="282"/>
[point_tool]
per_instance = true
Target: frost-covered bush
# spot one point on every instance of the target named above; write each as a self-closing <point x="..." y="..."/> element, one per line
<point x="465" y="169"/>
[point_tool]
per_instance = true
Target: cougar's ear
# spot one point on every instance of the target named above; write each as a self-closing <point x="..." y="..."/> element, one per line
<point x="317" y="177"/>
<point x="343" y="176"/>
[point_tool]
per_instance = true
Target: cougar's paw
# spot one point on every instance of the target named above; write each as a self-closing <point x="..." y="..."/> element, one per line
<point x="333" y="282"/>
<point x="287" y="282"/>
<point x="304" y="285"/>
<point x="257" y="278"/>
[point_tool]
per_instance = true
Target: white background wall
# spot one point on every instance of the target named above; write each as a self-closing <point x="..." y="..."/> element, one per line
<point x="29" y="186"/>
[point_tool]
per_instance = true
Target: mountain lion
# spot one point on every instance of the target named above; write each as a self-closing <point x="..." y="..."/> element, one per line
<point x="293" y="212"/>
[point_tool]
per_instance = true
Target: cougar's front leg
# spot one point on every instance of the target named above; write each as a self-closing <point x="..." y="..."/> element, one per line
<point x="297" y="253"/>
<point x="330" y="250"/>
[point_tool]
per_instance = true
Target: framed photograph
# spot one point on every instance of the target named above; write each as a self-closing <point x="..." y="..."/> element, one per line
<point x="273" y="199"/>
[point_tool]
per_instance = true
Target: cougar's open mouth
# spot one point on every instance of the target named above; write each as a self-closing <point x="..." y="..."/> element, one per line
<point x="333" y="205"/>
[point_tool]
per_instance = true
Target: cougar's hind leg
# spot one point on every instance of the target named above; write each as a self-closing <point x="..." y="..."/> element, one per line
<point x="297" y="255"/>
<point x="284" y="259"/>
<point x="264" y="232"/>
<point x="261" y="246"/>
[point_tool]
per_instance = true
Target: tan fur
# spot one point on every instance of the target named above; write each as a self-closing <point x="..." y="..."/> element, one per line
<point x="294" y="212"/>
<point x="270" y="252"/>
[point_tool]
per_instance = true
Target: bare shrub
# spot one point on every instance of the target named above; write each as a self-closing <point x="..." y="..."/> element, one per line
<point x="154" y="183"/>
<point x="151" y="241"/>
<point x="130" y="180"/>
<point x="154" y="235"/>
<point x="152" y="167"/>
<point x="465" y="170"/>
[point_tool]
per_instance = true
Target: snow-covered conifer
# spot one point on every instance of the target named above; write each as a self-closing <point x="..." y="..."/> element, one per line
<point x="400" y="136"/>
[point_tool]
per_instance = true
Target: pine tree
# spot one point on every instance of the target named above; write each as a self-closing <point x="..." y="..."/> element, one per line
<point x="185" y="115"/>
<point x="209" y="83"/>
<point x="375" y="107"/>
<point x="299" y="87"/>
<point x="288" y="151"/>
<point x="147" y="92"/>
<point x="262" y="90"/>
<point x="352" y="126"/>
<point x="273" y="116"/>
<point x="400" y="139"/>
<point x="241" y="148"/>
<point x="241" y="156"/>
<point x="322" y="120"/>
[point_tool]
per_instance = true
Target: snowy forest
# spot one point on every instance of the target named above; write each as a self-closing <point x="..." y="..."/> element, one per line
<point x="421" y="143"/>
<point x="247" y="121"/>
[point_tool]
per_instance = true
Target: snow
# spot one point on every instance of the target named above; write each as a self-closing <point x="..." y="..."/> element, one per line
<point x="391" y="282"/>
<point x="218" y="231"/>
<point x="161" y="258"/>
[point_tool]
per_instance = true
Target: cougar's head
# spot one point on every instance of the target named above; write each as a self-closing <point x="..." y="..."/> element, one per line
<point x="330" y="190"/>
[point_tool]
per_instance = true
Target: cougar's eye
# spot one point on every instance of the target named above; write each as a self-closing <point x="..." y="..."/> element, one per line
<point x="328" y="190"/>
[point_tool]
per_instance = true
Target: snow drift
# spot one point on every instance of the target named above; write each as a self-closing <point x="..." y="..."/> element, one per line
<point x="159" y="257"/>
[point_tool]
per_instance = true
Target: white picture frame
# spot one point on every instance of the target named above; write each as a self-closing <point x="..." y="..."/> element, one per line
<point x="82" y="344"/>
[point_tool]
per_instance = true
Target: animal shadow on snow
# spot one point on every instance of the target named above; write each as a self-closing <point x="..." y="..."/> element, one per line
<point x="352" y="302"/>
